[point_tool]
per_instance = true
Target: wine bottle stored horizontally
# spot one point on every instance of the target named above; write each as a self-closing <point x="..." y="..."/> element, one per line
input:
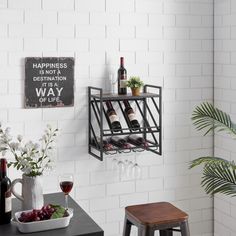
<point x="133" y="122"/>
<point x="5" y="194"/>
<point x="120" y="142"/>
<point x="138" y="141"/>
<point x="122" y="78"/>
<point x="114" y="119"/>
<point x="107" y="146"/>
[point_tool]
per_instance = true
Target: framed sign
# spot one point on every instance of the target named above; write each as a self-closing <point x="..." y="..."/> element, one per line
<point x="49" y="82"/>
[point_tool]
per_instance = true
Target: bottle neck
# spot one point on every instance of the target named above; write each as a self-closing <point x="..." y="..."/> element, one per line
<point x="109" y="105"/>
<point x="122" y="62"/>
<point x="126" y="103"/>
<point x="3" y="167"/>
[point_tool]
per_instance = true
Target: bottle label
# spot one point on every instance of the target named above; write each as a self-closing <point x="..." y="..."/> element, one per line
<point x="8" y="201"/>
<point x="113" y="118"/>
<point x="123" y="83"/>
<point x="132" y="116"/>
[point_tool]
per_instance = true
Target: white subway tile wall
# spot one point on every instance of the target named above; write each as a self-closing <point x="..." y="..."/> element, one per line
<point x="225" y="64"/>
<point x="168" y="43"/>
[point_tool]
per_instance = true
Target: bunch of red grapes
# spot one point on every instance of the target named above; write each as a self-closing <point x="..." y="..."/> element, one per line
<point x="44" y="213"/>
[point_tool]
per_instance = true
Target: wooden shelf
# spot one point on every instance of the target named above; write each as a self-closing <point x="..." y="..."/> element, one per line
<point x="115" y="97"/>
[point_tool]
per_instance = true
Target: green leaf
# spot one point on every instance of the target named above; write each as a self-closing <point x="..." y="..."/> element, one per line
<point x="59" y="213"/>
<point x="219" y="175"/>
<point x="208" y="160"/>
<point x="206" y="116"/>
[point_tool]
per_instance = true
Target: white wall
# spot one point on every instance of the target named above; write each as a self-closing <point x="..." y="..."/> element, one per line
<point x="225" y="88"/>
<point x="167" y="43"/>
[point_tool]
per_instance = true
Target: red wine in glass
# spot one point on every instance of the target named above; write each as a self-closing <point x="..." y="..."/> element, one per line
<point x="66" y="186"/>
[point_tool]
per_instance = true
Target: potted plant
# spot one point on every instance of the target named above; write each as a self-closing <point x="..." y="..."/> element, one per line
<point x="219" y="175"/>
<point x="32" y="159"/>
<point x="135" y="83"/>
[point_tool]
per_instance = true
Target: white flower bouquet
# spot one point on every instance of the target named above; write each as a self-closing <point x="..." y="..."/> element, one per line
<point x="31" y="158"/>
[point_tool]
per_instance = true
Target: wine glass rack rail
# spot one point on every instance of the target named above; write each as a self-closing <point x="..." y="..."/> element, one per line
<point x="148" y="108"/>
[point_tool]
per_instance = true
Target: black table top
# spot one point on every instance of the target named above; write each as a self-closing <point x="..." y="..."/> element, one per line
<point x="80" y="224"/>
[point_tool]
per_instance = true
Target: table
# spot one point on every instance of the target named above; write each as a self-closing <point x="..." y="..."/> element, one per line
<point x="80" y="224"/>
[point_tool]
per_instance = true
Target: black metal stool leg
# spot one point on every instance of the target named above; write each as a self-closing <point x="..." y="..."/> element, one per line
<point x="184" y="229"/>
<point x="148" y="231"/>
<point x="127" y="227"/>
<point x="140" y="231"/>
<point x="166" y="232"/>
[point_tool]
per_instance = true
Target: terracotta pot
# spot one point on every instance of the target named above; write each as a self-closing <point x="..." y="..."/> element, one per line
<point x="135" y="91"/>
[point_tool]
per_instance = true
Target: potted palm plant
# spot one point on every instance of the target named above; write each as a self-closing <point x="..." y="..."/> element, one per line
<point x="135" y="83"/>
<point x="219" y="175"/>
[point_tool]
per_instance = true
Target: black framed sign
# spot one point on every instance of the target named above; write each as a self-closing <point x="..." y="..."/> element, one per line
<point x="49" y="82"/>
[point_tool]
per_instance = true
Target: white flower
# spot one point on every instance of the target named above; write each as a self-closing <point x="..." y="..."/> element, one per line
<point x="14" y="145"/>
<point x="6" y="137"/>
<point x="29" y="145"/>
<point x="7" y="130"/>
<point x="35" y="156"/>
<point x="23" y="149"/>
<point x="26" y="170"/>
<point x="48" y="166"/>
<point x="49" y="126"/>
<point x="39" y="152"/>
<point x="36" y="146"/>
<point x="19" y="138"/>
<point x="23" y="162"/>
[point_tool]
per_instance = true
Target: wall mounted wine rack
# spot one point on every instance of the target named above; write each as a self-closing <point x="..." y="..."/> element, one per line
<point x="148" y="108"/>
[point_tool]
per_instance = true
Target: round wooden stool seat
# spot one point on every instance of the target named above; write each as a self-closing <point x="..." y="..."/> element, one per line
<point x="162" y="216"/>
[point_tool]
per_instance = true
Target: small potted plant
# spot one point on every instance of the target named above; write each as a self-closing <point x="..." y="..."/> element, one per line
<point x="135" y="83"/>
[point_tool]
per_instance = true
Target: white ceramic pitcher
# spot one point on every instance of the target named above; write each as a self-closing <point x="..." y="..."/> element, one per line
<point x="32" y="192"/>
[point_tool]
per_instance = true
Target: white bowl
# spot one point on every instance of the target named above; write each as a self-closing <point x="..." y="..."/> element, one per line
<point x="43" y="225"/>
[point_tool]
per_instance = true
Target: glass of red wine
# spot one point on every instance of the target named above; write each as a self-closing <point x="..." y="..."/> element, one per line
<point x="66" y="182"/>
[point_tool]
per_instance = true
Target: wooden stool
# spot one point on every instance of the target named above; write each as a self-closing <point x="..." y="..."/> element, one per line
<point x="161" y="216"/>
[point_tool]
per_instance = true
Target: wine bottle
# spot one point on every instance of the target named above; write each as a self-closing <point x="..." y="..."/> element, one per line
<point x="114" y="119"/>
<point x="120" y="142"/>
<point x="107" y="146"/>
<point x="5" y="194"/>
<point x="122" y="78"/>
<point x="131" y="116"/>
<point x="137" y="141"/>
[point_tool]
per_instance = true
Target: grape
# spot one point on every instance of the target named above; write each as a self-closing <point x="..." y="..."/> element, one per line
<point x="44" y="213"/>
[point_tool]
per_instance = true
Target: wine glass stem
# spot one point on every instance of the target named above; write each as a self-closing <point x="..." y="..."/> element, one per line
<point x="66" y="201"/>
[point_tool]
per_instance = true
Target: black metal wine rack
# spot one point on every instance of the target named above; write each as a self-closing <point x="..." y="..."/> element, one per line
<point x="149" y="108"/>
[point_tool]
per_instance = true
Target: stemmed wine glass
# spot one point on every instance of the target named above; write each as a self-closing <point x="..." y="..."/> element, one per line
<point x="66" y="182"/>
<point x="136" y="171"/>
<point x="128" y="167"/>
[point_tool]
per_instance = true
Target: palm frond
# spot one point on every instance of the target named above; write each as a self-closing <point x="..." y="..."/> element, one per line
<point x="219" y="177"/>
<point x="209" y="160"/>
<point x="206" y="116"/>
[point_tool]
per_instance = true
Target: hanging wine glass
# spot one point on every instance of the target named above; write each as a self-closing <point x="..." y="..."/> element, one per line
<point x="126" y="163"/>
<point x="121" y="166"/>
<point x="114" y="164"/>
<point x="136" y="171"/>
<point x="129" y="169"/>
